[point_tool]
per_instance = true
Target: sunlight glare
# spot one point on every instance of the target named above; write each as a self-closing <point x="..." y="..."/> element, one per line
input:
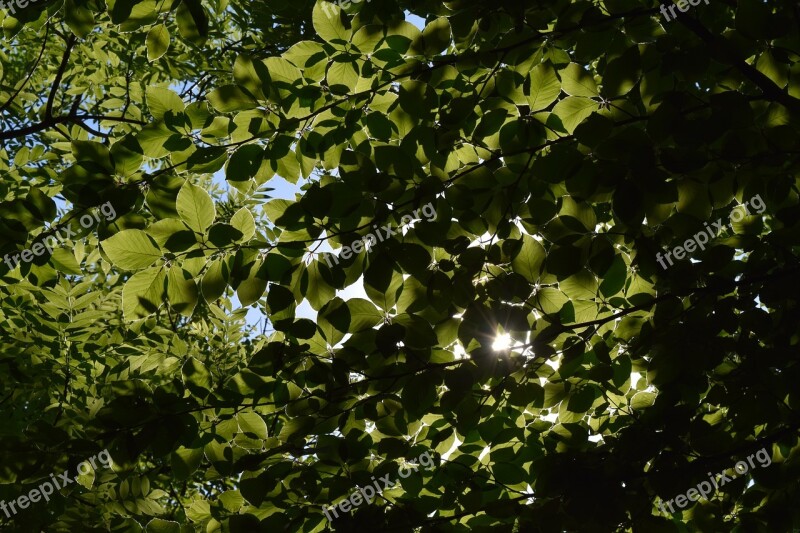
<point x="502" y="342"/>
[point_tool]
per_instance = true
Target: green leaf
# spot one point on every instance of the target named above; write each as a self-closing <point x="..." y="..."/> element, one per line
<point x="577" y="82"/>
<point x="244" y="163"/>
<point x="79" y="19"/>
<point x="157" y="42"/>
<point x="509" y="473"/>
<point x="274" y="209"/>
<point x="544" y="87"/>
<point x="342" y="76"/>
<point x="223" y="235"/>
<point x="195" y="375"/>
<point x="581" y="400"/>
<point x="161" y="100"/>
<point x="230" y="98"/>
<point x="181" y="290"/>
<point x="185" y="461"/>
<point x="143" y="293"/>
<point x="127" y="155"/>
<point x="404" y="37"/>
<point x="157" y="525"/>
<point x="327" y="18"/>
<point x="642" y="400"/>
<point x="131" y="249"/>
<point x="530" y="258"/>
<point x="334" y="320"/>
<point x="153" y="140"/>
<point x="581" y="285"/>
<point x="550" y="300"/>
<point x="252" y="425"/>
<point x="367" y="38"/>
<point x="363" y="314"/>
<point x="195" y="207"/>
<point x="527" y="394"/>
<point x="214" y="280"/>
<point x="622" y="74"/>
<point x="92" y="151"/>
<point x="573" y="110"/>
<point x="436" y="36"/>
<point x="172" y="234"/>
<point x="243" y="221"/>
<point x="65" y="261"/>
<point x="246" y="75"/>
<point x="252" y="288"/>
<point x="296" y="428"/>
<point x="192" y="21"/>
<point x="614" y="278"/>
<point x="553" y="394"/>
<point x="319" y="291"/>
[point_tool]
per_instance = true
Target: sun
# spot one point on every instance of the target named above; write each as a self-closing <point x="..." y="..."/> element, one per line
<point x="501" y="342"/>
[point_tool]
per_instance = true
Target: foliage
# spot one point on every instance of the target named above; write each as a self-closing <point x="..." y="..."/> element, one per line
<point x="563" y="145"/>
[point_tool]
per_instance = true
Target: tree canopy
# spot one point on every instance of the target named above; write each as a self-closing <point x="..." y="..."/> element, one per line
<point x="470" y="264"/>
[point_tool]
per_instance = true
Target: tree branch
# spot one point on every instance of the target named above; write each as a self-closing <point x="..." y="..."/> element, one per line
<point x="52" y="121"/>
<point x="724" y="53"/>
<point x="48" y="111"/>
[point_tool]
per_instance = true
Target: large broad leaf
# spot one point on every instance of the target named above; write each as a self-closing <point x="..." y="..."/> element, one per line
<point x="196" y="376"/>
<point x="243" y="221"/>
<point x="143" y="293"/>
<point x="231" y="98"/>
<point x="214" y="280"/>
<point x="367" y="38"/>
<point x="252" y="425"/>
<point x="577" y="82"/>
<point x="342" y="76"/>
<point x="157" y="525"/>
<point x="530" y="258"/>
<point x="363" y="314"/>
<point x="580" y="285"/>
<point x="622" y="73"/>
<point x="181" y="290"/>
<point x="334" y="320"/>
<point x="195" y="207"/>
<point x="318" y="292"/>
<point x="244" y="163"/>
<point x="296" y="428"/>
<point x="436" y="36"/>
<point x="192" y="21"/>
<point x="246" y="74"/>
<point x="275" y="209"/>
<point x="573" y="110"/>
<point x="65" y="261"/>
<point x="78" y="17"/>
<point x="544" y="87"/>
<point x="254" y="285"/>
<point x="157" y="42"/>
<point x="185" y="461"/>
<point x="156" y="140"/>
<point x="131" y="249"/>
<point x="161" y="100"/>
<point x="327" y="18"/>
